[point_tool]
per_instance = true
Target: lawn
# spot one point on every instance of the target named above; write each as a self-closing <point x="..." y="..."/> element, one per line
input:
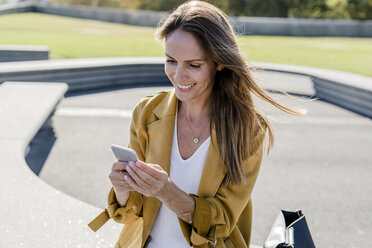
<point x="78" y="38"/>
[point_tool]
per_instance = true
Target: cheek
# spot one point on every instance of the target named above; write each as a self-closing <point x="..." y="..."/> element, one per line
<point x="169" y="71"/>
<point x="207" y="78"/>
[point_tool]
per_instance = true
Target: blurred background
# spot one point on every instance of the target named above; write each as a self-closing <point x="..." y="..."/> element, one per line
<point x="80" y="38"/>
<point x="333" y="9"/>
<point x="320" y="163"/>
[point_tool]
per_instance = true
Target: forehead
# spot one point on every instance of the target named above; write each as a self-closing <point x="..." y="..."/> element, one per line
<point x="183" y="45"/>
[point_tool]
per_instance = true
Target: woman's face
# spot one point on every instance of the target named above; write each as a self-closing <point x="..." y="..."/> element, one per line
<point x="188" y="67"/>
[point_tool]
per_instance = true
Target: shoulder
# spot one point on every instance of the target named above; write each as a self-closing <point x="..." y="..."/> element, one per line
<point x="145" y="107"/>
<point x="150" y="102"/>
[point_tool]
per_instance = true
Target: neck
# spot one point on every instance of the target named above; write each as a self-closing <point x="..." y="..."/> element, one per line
<point x="195" y="111"/>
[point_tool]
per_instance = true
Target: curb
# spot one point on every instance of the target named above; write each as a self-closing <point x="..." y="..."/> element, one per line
<point x="348" y="90"/>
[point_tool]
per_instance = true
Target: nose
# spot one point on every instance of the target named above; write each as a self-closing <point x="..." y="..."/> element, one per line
<point x="180" y="75"/>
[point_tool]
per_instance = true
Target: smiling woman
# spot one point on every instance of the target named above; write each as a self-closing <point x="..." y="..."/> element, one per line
<point x="190" y="70"/>
<point x="199" y="145"/>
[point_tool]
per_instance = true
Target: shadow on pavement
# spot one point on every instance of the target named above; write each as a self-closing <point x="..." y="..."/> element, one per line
<point x="40" y="147"/>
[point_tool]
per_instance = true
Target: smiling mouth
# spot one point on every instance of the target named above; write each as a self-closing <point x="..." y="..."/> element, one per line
<point x="186" y="87"/>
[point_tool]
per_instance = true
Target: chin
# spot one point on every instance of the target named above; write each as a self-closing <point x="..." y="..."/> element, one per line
<point x="183" y="97"/>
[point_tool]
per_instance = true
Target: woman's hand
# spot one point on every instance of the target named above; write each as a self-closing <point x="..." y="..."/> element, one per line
<point x="147" y="179"/>
<point x="151" y="180"/>
<point x="117" y="177"/>
<point x="121" y="187"/>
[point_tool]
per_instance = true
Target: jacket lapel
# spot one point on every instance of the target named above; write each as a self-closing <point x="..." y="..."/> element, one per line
<point x="213" y="169"/>
<point x="160" y="132"/>
<point x="160" y="136"/>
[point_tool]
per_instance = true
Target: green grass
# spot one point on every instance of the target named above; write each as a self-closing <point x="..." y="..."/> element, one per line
<point x="77" y="38"/>
<point x="338" y="53"/>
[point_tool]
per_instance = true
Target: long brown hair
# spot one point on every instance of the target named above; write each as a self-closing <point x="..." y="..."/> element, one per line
<point x="234" y="116"/>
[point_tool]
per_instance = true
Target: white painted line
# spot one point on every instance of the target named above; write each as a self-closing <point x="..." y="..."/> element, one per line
<point x="94" y="112"/>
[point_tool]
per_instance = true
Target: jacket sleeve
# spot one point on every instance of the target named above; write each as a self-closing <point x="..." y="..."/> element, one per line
<point x="215" y="217"/>
<point x="133" y="209"/>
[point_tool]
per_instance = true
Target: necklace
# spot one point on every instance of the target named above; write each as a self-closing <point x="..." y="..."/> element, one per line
<point x="196" y="139"/>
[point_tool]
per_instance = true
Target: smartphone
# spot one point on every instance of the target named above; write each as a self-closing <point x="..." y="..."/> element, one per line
<point x="124" y="154"/>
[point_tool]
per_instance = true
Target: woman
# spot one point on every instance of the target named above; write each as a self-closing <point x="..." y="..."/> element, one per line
<point x="199" y="145"/>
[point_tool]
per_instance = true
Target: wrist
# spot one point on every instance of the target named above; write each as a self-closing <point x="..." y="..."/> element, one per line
<point x="122" y="197"/>
<point x="164" y="194"/>
<point x="178" y="201"/>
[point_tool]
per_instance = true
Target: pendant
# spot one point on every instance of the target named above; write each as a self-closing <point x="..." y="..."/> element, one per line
<point x="196" y="140"/>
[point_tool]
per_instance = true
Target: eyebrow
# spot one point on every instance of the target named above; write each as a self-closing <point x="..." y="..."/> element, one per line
<point x="186" y="60"/>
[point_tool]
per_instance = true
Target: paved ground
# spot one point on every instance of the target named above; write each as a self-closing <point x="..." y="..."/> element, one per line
<point x="321" y="162"/>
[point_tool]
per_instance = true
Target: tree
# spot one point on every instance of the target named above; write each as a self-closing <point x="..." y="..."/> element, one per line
<point x="360" y="9"/>
<point x="333" y="9"/>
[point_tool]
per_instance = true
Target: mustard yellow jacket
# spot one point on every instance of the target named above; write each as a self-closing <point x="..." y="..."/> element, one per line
<point x="222" y="216"/>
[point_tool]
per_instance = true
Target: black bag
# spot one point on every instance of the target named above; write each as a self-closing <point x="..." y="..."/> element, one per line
<point x="289" y="230"/>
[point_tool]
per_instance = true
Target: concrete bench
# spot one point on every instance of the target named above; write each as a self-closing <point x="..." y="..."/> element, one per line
<point x="34" y="214"/>
<point x="14" y="53"/>
<point x="89" y="74"/>
<point x="348" y="90"/>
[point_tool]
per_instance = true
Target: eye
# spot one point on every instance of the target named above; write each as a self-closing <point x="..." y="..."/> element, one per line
<point x="170" y="61"/>
<point x="194" y="66"/>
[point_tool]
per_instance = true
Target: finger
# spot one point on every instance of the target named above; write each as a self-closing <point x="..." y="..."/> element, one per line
<point x="122" y="185"/>
<point x="133" y="184"/>
<point x="153" y="170"/>
<point x="120" y="188"/>
<point x="142" y="174"/>
<point x="138" y="180"/>
<point x="119" y="166"/>
<point x="118" y="180"/>
<point x="115" y="175"/>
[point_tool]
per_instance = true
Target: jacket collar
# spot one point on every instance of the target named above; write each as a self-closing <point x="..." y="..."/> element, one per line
<point x="167" y="106"/>
<point x="213" y="172"/>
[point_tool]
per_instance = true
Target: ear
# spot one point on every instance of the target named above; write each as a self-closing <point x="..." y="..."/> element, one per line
<point x="219" y="67"/>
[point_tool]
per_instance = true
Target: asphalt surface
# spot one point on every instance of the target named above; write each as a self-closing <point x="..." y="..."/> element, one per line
<point x="321" y="162"/>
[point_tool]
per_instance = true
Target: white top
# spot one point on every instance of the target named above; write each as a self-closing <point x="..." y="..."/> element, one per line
<point x="186" y="174"/>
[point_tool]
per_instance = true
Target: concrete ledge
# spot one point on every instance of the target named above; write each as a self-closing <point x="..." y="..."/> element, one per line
<point x="116" y="15"/>
<point x="89" y="74"/>
<point x="33" y="214"/>
<point x="31" y="207"/>
<point x="16" y="8"/>
<point x="14" y="53"/>
<point x="302" y="27"/>
<point x="348" y="90"/>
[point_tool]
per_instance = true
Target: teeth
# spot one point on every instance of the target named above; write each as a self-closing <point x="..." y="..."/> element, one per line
<point x="185" y="87"/>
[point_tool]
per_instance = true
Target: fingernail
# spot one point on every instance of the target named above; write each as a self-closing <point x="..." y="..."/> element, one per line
<point x="131" y="164"/>
<point x="125" y="177"/>
<point x="138" y="164"/>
